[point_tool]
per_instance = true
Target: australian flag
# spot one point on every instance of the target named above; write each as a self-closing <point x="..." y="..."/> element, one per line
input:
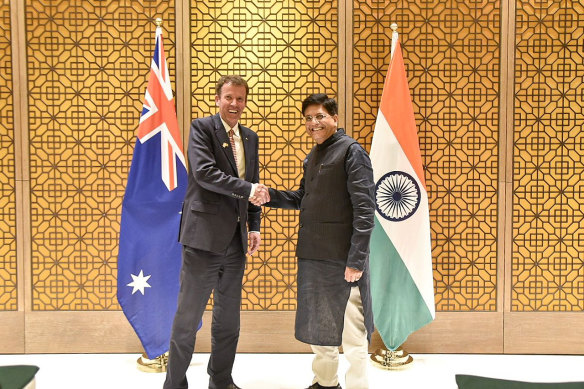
<point x="149" y="258"/>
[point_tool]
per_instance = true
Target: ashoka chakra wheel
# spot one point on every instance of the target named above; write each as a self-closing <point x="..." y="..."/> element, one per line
<point x="397" y="196"/>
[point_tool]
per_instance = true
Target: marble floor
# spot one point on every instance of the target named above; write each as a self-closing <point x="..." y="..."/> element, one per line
<point x="292" y="371"/>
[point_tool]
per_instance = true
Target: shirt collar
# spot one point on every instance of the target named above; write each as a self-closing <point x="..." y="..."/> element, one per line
<point x="331" y="139"/>
<point x="227" y="128"/>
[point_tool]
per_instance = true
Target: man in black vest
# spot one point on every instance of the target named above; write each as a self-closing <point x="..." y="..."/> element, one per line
<point x="336" y="203"/>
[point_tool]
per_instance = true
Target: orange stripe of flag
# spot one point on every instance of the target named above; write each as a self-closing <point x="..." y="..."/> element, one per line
<point x="396" y="106"/>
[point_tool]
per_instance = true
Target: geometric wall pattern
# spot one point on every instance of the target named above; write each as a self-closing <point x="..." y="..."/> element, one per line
<point x="87" y="64"/>
<point x="286" y="50"/>
<point x="8" y="295"/>
<point x="548" y="167"/>
<point x="452" y="55"/>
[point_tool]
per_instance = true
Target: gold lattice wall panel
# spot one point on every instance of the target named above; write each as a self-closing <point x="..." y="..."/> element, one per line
<point x="8" y="296"/>
<point x="87" y="69"/>
<point x="548" y="168"/>
<point x="286" y="50"/>
<point x="452" y="55"/>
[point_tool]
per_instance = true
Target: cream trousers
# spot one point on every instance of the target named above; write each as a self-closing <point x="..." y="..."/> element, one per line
<point x="355" y="348"/>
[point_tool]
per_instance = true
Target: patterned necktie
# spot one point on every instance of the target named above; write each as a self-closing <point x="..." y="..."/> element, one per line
<point x="231" y="133"/>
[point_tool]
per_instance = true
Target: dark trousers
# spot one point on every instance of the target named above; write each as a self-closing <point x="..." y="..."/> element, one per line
<point x="201" y="273"/>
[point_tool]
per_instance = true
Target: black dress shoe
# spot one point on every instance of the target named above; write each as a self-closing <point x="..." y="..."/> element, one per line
<point x="319" y="386"/>
<point x="232" y="386"/>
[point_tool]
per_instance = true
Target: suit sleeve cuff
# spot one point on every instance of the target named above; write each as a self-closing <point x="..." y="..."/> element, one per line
<point x="253" y="189"/>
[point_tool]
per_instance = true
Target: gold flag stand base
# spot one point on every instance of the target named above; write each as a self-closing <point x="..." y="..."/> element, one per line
<point x="156" y="365"/>
<point x="391" y="360"/>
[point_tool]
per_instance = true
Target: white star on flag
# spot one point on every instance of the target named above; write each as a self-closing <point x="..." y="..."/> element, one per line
<point x="139" y="283"/>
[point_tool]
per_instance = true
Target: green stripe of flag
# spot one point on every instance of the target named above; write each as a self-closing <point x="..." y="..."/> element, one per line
<point x="398" y="306"/>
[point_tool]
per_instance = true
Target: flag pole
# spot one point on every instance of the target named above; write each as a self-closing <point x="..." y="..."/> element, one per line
<point x="159" y="363"/>
<point x="384" y="358"/>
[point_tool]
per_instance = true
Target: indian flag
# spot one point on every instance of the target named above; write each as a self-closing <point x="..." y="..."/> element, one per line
<point x="401" y="254"/>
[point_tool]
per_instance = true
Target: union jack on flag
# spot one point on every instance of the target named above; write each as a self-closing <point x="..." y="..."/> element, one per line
<point x="149" y="257"/>
<point x="159" y="115"/>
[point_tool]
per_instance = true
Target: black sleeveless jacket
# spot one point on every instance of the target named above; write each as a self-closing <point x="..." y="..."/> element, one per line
<point x="326" y="217"/>
<point x="333" y="226"/>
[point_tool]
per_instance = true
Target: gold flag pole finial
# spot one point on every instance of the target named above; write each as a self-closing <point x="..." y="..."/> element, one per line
<point x="394" y="37"/>
<point x="158" y="22"/>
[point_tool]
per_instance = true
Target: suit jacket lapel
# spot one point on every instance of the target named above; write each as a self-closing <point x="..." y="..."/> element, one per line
<point x="249" y="150"/>
<point x="223" y="139"/>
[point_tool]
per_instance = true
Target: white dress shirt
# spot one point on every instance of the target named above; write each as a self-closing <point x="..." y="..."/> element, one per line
<point x="239" y="151"/>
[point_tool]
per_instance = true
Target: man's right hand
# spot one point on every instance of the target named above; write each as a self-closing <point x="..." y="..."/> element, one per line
<point x="261" y="195"/>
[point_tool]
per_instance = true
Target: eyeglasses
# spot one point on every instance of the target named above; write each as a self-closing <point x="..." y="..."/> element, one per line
<point x="317" y="118"/>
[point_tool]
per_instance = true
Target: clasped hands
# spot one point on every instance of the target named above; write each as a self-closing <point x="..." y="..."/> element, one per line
<point x="261" y="195"/>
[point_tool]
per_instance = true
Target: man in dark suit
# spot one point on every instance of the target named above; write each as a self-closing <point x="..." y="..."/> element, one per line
<point x="216" y="216"/>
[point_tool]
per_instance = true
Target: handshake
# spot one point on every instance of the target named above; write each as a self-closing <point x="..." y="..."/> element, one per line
<point x="261" y="195"/>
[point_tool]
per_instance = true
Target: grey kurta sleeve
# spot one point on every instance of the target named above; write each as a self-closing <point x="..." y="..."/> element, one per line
<point x="361" y="189"/>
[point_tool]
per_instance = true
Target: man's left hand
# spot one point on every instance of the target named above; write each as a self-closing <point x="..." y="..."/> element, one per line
<point x="352" y="275"/>
<point x="254" y="240"/>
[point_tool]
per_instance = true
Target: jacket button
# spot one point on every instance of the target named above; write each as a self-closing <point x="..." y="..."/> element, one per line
<point x="300" y="225"/>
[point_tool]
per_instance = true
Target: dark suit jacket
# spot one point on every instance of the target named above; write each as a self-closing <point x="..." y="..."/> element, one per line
<point x="217" y="200"/>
